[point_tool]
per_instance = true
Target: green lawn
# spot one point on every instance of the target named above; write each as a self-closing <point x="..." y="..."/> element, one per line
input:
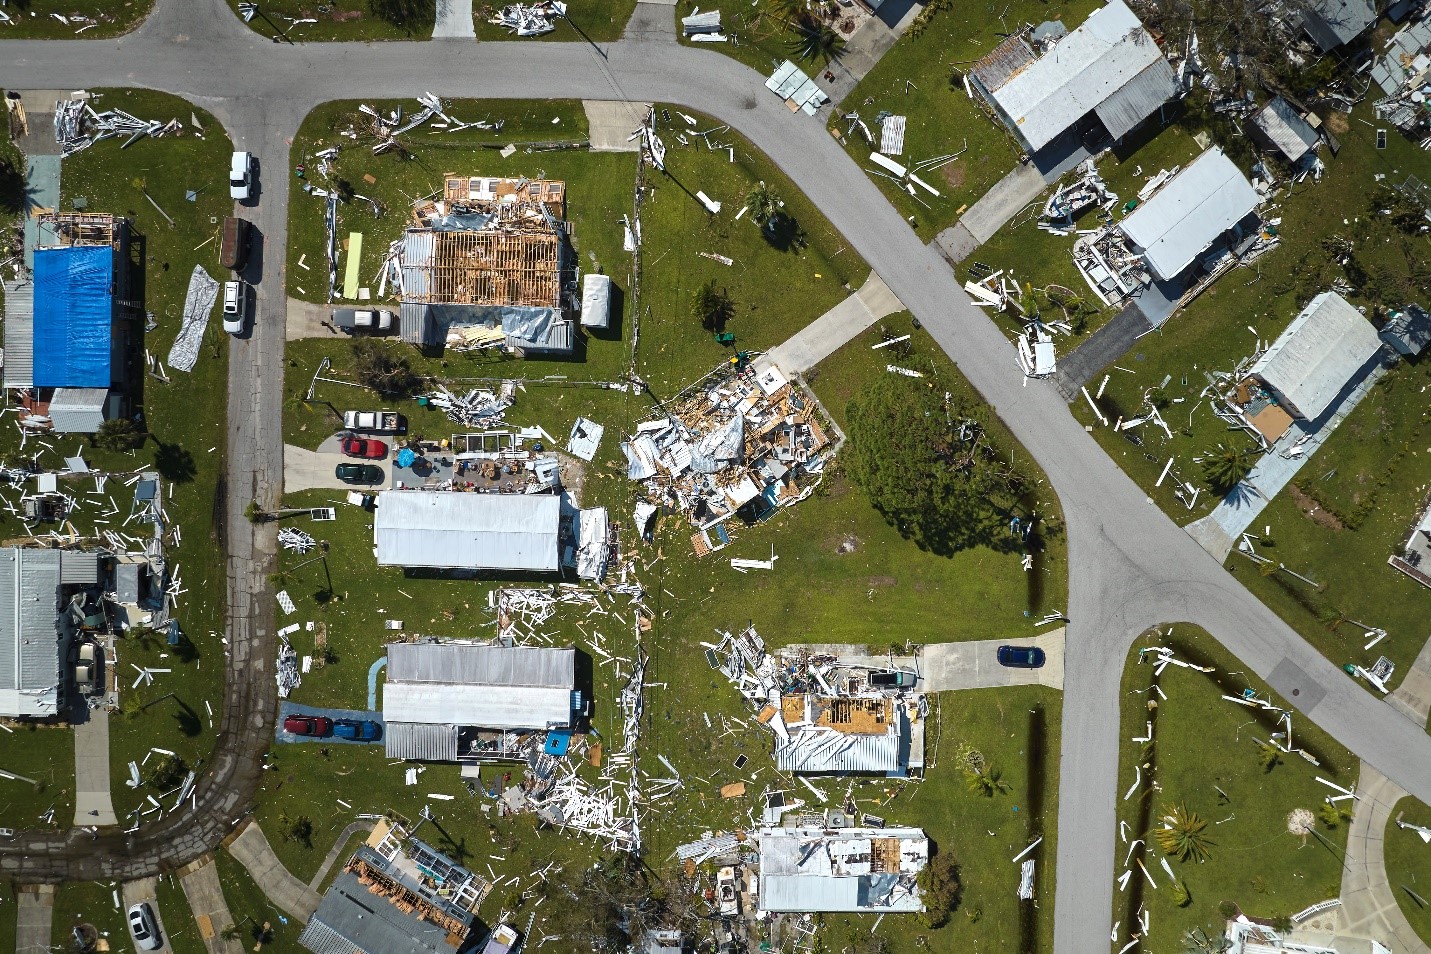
<point x="7" y="915"/>
<point x="1205" y="757"/>
<point x="185" y="420"/>
<point x="341" y="20"/>
<point x="759" y="37"/>
<point x="35" y="19"/>
<point x="251" y="910"/>
<point x="92" y="902"/>
<point x="44" y="753"/>
<point x="1408" y="865"/>
<point x="916" y="78"/>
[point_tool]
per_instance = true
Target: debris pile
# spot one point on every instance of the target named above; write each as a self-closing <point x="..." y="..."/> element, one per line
<point x="703" y="27"/>
<point x="479" y="407"/>
<point x="299" y="541"/>
<point x="530" y="20"/>
<point x="733" y="441"/>
<point x="1072" y="200"/>
<point x="78" y="126"/>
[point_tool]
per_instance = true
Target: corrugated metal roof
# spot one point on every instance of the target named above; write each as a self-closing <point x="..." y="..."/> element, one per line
<point x="1138" y="99"/>
<point x="1334" y="22"/>
<point x="510" y="687"/>
<point x="353" y="920"/>
<point x="1188" y="214"/>
<point x="798" y="871"/>
<point x="1408" y="331"/>
<point x="468" y="531"/>
<point x="19" y="371"/>
<point x="421" y="741"/>
<point x="416" y="261"/>
<point x="1008" y="58"/>
<point x="475" y="665"/>
<point x="1085" y="68"/>
<point x="1309" y="363"/>
<point x="811" y="751"/>
<point x="29" y="636"/>
<point x="78" y="410"/>
<point x="79" y="568"/>
<point x="1280" y="122"/>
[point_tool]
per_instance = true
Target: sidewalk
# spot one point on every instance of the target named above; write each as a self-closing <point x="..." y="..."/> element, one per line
<point x="336" y="852"/>
<point x="826" y="334"/>
<point x="93" y="805"/>
<point x="1369" y="907"/>
<point x="200" y="881"/>
<point x="454" y="21"/>
<point x="254" y="852"/>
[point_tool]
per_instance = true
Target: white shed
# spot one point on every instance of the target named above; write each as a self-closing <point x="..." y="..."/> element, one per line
<point x="1314" y="359"/>
<point x="596" y="301"/>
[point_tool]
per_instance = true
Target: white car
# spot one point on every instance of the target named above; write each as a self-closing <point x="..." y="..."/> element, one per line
<point x="233" y="307"/>
<point x="141" y="925"/>
<point x="241" y="175"/>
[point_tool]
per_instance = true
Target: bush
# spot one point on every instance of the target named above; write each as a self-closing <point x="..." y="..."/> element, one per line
<point x="940" y="887"/>
<point x="1228" y="910"/>
<point x="119" y="434"/>
<point x="712" y="307"/>
<point x="165" y="773"/>
<point x="384" y="370"/>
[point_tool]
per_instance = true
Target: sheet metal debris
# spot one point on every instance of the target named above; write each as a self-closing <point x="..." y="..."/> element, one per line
<point x="530" y="20"/>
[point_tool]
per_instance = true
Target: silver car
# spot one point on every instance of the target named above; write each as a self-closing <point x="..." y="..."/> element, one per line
<point x="142" y="926"/>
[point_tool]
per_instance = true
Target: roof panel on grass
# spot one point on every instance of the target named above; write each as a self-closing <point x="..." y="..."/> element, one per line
<point x="467" y="531"/>
<point x="1324" y="346"/>
<point x="1188" y="214"/>
<point x="73" y="312"/>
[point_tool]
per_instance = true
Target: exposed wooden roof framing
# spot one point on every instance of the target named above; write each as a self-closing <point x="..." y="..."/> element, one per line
<point x="495" y="267"/>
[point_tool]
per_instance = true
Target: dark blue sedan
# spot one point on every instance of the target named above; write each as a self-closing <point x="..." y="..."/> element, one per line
<point x="357" y="730"/>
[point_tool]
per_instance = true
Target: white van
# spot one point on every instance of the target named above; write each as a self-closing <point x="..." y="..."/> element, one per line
<point x="233" y="307"/>
<point x="240" y="175"/>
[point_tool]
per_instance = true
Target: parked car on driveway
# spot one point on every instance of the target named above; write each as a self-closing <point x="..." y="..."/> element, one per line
<point x="390" y="421"/>
<point x="233" y="307"/>
<point x="1021" y="657"/>
<point x="365" y="448"/>
<point x="143" y="927"/>
<point x="363" y="321"/>
<point x="308" y="725"/>
<point x="357" y="730"/>
<point x="86" y="668"/>
<point x="358" y="473"/>
<point x="241" y="176"/>
<point x="893" y="679"/>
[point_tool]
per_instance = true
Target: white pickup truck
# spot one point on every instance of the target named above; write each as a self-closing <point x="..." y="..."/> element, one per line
<point x="386" y="422"/>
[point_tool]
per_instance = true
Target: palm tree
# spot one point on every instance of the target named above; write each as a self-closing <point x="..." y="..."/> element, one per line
<point x="790" y="11"/>
<point x="818" y="42"/>
<point x="1225" y="465"/>
<point x="762" y="203"/>
<point x="1183" y="835"/>
<point x="987" y="782"/>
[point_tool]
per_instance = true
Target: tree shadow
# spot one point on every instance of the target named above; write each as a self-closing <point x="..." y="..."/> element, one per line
<point x="783" y="233"/>
<point x="12" y="188"/>
<point x="188" y="719"/>
<point x="174" y="463"/>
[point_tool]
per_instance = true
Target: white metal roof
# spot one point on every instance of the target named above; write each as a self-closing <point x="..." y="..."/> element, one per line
<point x="1083" y="70"/>
<point x="595" y="301"/>
<point x="512" y="707"/>
<point x="467" y="531"/>
<point x="474" y="664"/>
<point x="29" y="633"/>
<point x="1284" y="126"/>
<point x="1188" y="214"/>
<point x="507" y="687"/>
<point x="78" y="410"/>
<point x="816" y="869"/>
<point x="1310" y="362"/>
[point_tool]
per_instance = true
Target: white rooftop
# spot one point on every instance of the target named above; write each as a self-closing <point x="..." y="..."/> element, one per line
<point x="1086" y="69"/>
<point x="842" y="869"/>
<point x="1309" y="363"/>
<point x="1188" y="214"/>
<point x="454" y="530"/>
<point x="500" y="687"/>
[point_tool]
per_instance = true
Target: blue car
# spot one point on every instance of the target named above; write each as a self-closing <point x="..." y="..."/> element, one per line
<point x="357" y="730"/>
<point x="1021" y="657"/>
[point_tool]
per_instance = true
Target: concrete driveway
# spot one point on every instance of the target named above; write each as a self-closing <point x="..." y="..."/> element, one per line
<point x="34" y="918"/>
<point x="304" y="469"/>
<point x="92" y="798"/>
<point x="142" y="890"/>
<point x="975" y="665"/>
<point x="200" y="881"/>
<point x="287" y="708"/>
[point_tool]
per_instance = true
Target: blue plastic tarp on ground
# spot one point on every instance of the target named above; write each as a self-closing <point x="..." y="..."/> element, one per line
<point x="73" y="316"/>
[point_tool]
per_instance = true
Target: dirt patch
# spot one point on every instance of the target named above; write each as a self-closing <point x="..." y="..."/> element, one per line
<point x="1338" y="123"/>
<point x="953" y="174"/>
<point x="875" y="581"/>
<point x="848" y="544"/>
<point x="1313" y="510"/>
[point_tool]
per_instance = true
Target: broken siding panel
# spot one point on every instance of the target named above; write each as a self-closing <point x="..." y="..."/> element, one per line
<point x="821" y="752"/>
<point x="1143" y="95"/>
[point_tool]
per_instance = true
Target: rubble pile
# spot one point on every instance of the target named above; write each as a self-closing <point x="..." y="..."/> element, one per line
<point x="1072" y="200"/>
<point x="78" y="126"/>
<point x="478" y="407"/>
<point x="530" y="19"/>
<point x="734" y="441"/>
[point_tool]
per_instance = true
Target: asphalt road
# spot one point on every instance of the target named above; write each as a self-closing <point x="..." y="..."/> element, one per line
<point x="1130" y="566"/>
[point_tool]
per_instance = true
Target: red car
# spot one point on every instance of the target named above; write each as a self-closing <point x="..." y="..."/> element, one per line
<point x="365" y="448"/>
<point x="308" y="725"/>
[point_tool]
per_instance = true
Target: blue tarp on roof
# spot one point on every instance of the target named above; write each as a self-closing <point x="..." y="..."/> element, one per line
<point x="72" y="316"/>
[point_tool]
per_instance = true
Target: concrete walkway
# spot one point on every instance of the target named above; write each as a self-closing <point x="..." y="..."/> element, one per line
<point x="1413" y="696"/>
<point x="304" y="469"/>
<point x="200" y="881"/>
<point x="306" y="320"/>
<point x="34" y="918"/>
<point x="826" y="334"/>
<point x="1369" y="907"/>
<point x="454" y="21"/>
<point x="945" y="667"/>
<point x="610" y="124"/>
<point x="143" y="890"/>
<point x="254" y="852"/>
<point x="336" y="851"/>
<point x="1218" y="531"/>
<point x="1001" y="203"/>
<point x="93" y="805"/>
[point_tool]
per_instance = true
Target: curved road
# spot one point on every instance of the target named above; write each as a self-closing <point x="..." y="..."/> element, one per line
<point x="1130" y="566"/>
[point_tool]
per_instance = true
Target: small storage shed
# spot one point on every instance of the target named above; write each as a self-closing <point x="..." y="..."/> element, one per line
<point x="596" y="302"/>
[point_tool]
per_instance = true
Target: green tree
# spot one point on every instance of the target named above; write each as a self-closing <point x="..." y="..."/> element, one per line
<point x="1183" y="835"/>
<point x="384" y="370"/>
<point x="762" y="203"/>
<point x="1181" y="896"/>
<point x="297" y="828"/>
<point x="920" y="454"/>
<point x="402" y="13"/>
<point x="1226" y="464"/>
<point x="712" y="307"/>
<point x="165" y="773"/>
<point x="818" y="42"/>
<point x="986" y="781"/>
<point x="1268" y="755"/>
<point x="119" y="434"/>
<point x="940" y="887"/>
<point x="1333" y="814"/>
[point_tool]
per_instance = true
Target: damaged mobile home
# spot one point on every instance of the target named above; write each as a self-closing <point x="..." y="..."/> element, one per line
<point x="488" y="264"/>
<point x="734" y="442"/>
<point x="1108" y="75"/>
<point x="858" y="870"/>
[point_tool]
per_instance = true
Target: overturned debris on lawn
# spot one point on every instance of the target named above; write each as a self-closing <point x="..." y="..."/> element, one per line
<point x="1070" y="201"/>
<point x="733" y="441"/>
<point x="530" y="20"/>
<point x="479" y="407"/>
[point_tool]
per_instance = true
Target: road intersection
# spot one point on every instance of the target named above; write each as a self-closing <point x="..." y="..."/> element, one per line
<point x="1130" y="567"/>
